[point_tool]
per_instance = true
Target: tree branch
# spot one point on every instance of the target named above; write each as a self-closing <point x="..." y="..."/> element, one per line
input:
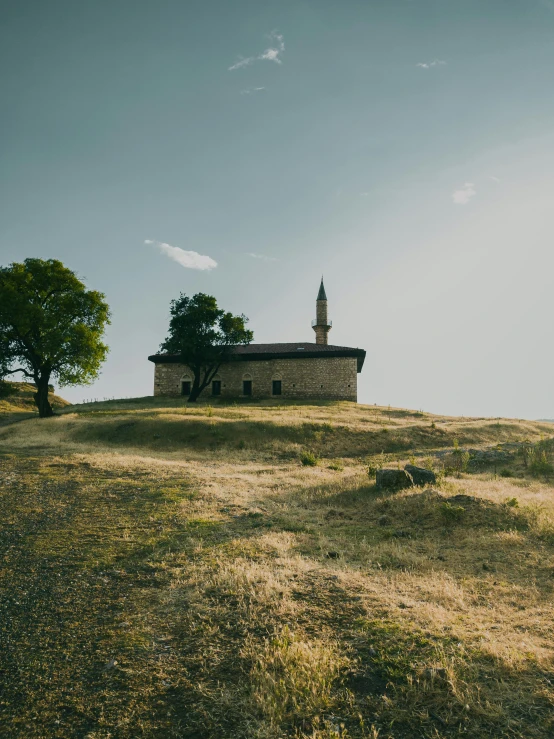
<point x="20" y="369"/>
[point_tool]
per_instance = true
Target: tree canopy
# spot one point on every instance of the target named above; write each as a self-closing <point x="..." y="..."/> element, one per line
<point x="203" y="335"/>
<point x="51" y="326"/>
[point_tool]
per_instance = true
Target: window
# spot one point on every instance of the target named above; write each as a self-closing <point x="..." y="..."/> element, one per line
<point x="185" y="387"/>
<point x="247" y="387"/>
<point x="216" y="387"/>
<point x="276" y="387"/>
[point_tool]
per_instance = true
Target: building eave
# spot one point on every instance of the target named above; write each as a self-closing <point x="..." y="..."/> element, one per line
<point x="358" y="354"/>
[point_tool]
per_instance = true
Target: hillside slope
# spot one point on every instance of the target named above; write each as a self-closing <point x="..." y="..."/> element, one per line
<point x="16" y="401"/>
<point x="179" y="572"/>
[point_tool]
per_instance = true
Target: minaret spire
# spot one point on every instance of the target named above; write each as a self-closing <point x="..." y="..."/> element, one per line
<point x="321" y="325"/>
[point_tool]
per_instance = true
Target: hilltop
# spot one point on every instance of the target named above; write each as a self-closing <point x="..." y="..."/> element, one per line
<point x="231" y="570"/>
<point x="16" y="401"/>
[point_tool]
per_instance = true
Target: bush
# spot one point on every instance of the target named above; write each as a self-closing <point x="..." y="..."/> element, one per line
<point x="377" y="463"/>
<point x="7" y="389"/>
<point x="506" y="473"/>
<point x="451" y="513"/>
<point x="457" y="461"/>
<point x="536" y="457"/>
<point x="512" y="502"/>
<point x="541" y="467"/>
<point x="309" y="459"/>
<point x="337" y="466"/>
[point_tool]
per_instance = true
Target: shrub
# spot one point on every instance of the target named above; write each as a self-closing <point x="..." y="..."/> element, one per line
<point x="7" y="389"/>
<point x="506" y="473"/>
<point x="541" y="467"/>
<point x="512" y="502"/>
<point x="309" y="459"/>
<point x="538" y="461"/>
<point x="377" y="463"/>
<point x="457" y="461"/>
<point x="451" y="513"/>
<point x="337" y="466"/>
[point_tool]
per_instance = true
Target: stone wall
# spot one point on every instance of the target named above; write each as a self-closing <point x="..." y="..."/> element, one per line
<point x="331" y="378"/>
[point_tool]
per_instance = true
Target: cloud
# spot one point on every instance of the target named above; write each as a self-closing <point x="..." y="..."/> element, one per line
<point x="271" y="54"/>
<point x="428" y="65"/>
<point x="188" y="259"/>
<point x="261" y="256"/>
<point x="494" y="179"/>
<point x="251" y="90"/>
<point x="464" y="194"/>
<point x="242" y="62"/>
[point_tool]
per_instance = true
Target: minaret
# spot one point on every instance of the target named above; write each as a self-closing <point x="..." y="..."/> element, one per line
<point x="321" y="325"/>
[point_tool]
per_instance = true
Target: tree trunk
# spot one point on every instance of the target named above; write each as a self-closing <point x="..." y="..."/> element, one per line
<point x="41" y="398"/>
<point x="198" y="385"/>
<point x="196" y="389"/>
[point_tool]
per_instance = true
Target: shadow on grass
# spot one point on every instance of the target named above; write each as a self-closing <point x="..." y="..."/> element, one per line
<point x="158" y="434"/>
<point x="460" y="535"/>
<point x="90" y="649"/>
<point x="83" y="553"/>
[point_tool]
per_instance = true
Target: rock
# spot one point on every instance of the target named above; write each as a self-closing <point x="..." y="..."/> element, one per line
<point x="420" y="476"/>
<point x="392" y="479"/>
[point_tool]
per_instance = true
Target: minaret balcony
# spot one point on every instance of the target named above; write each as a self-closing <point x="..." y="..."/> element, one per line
<point x="326" y="323"/>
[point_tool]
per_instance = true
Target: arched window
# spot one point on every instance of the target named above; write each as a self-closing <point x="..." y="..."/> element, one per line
<point x="216" y="385"/>
<point x="277" y="384"/>
<point x="247" y="385"/>
<point x="186" y="385"/>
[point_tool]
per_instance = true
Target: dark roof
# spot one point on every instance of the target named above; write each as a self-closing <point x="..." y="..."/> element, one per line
<point x="321" y="294"/>
<point x="259" y="352"/>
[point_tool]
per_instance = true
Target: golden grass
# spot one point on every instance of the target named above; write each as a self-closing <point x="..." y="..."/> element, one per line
<point x="242" y="594"/>
<point x="20" y="405"/>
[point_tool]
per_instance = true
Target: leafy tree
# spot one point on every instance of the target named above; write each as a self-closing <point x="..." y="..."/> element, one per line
<point x="50" y="326"/>
<point x="203" y="335"/>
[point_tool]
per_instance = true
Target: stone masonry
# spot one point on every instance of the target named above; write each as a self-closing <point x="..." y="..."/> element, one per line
<point x="333" y="378"/>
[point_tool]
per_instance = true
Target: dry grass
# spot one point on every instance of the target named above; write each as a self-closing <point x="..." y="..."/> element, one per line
<point x="178" y="572"/>
<point x="19" y="405"/>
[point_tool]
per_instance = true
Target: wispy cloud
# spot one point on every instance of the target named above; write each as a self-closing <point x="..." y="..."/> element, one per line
<point x="428" y="65"/>
<point x="264" y="257"/>
<point x="251" y="90"/>
<point x="242" y="62"/>
<point x="188" y="259"/>
<point x="271" y="54"/>
<point x="494" y="179"/>
<point x="464" y="194"/>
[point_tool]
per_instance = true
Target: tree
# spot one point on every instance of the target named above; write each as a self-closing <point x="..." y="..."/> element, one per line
<point x="50" y="326"/>
<point x="203" y="335"/>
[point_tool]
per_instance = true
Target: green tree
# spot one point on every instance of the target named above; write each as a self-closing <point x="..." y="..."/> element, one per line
<point x="51" y="326"/>
<point x="203" y="334"/>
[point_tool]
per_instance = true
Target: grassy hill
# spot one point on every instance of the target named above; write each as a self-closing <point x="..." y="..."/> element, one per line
<point x="16" y="401"/>
<point x="179" y="572"/>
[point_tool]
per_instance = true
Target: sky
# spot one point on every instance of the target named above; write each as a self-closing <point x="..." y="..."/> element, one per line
<point x="243" y="148"/>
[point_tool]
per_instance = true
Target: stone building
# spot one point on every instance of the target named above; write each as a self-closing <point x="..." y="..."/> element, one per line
<point x="317" y="371"/>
